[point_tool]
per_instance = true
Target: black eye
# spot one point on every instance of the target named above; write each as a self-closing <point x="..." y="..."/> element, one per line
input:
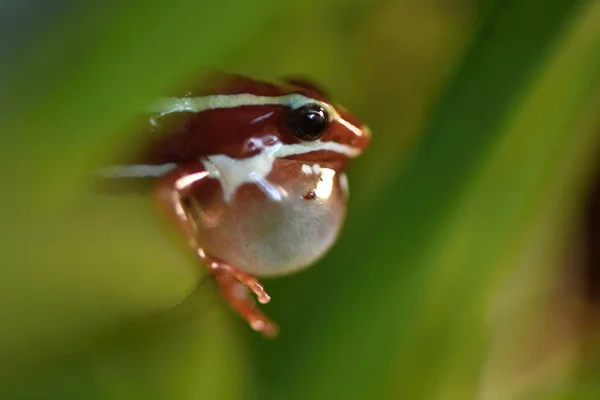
<point x="308" y="122"/>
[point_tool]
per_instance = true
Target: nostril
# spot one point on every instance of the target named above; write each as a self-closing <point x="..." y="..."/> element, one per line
<point x="366" y="131"/>
<point x="364" y="140"/>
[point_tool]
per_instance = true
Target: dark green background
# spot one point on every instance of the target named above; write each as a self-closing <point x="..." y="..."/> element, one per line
<point x="448" y="280"/>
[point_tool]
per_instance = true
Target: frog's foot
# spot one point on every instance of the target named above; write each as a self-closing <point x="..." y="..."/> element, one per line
<point x="233" y="284"/>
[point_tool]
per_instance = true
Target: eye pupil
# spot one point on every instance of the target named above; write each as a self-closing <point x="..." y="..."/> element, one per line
<point x="308" y="122"/>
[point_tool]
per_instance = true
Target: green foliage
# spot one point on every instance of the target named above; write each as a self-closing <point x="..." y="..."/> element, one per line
<point x="485" y="123"/>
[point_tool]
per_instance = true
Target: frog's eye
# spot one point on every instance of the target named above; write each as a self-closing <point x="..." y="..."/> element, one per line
<point x="308" y="122"/>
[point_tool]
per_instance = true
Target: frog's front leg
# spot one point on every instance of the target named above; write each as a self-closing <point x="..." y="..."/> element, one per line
<point x="171" y="192"/>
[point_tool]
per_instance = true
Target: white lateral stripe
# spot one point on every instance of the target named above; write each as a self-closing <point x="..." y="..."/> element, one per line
<point x="135" y="171"/>
<point x="276" y="151"/>
<point x="286" y="150"/>
<point x="198" y="104"/>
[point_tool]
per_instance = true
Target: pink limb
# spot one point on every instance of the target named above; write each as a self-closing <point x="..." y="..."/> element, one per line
<point x="171" y="193"/>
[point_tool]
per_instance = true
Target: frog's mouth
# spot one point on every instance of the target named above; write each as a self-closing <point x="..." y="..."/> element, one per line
<point x="316" y="163"/>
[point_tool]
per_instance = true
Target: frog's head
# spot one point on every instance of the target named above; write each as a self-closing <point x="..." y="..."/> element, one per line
<point x="241" y="117"/>
<point x="318" y="130"/>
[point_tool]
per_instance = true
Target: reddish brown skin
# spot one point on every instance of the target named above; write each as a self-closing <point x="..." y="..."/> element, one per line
<point x="185" y="137"/>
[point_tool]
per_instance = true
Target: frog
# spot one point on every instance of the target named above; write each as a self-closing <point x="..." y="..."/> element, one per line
<point x="251" y="175"/>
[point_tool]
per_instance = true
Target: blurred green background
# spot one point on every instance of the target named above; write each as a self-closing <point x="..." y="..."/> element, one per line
<point x="461" y="271"/>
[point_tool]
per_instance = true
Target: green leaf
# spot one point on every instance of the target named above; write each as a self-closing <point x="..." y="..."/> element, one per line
<point x="429" y="248"/>
<point x="74" y="90"/>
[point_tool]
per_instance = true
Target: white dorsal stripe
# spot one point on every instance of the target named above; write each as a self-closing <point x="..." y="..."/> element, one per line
<point x="212" y="102"/>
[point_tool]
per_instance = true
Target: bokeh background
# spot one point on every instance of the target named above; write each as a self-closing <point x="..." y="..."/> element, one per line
<point x="468" y="266"/>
